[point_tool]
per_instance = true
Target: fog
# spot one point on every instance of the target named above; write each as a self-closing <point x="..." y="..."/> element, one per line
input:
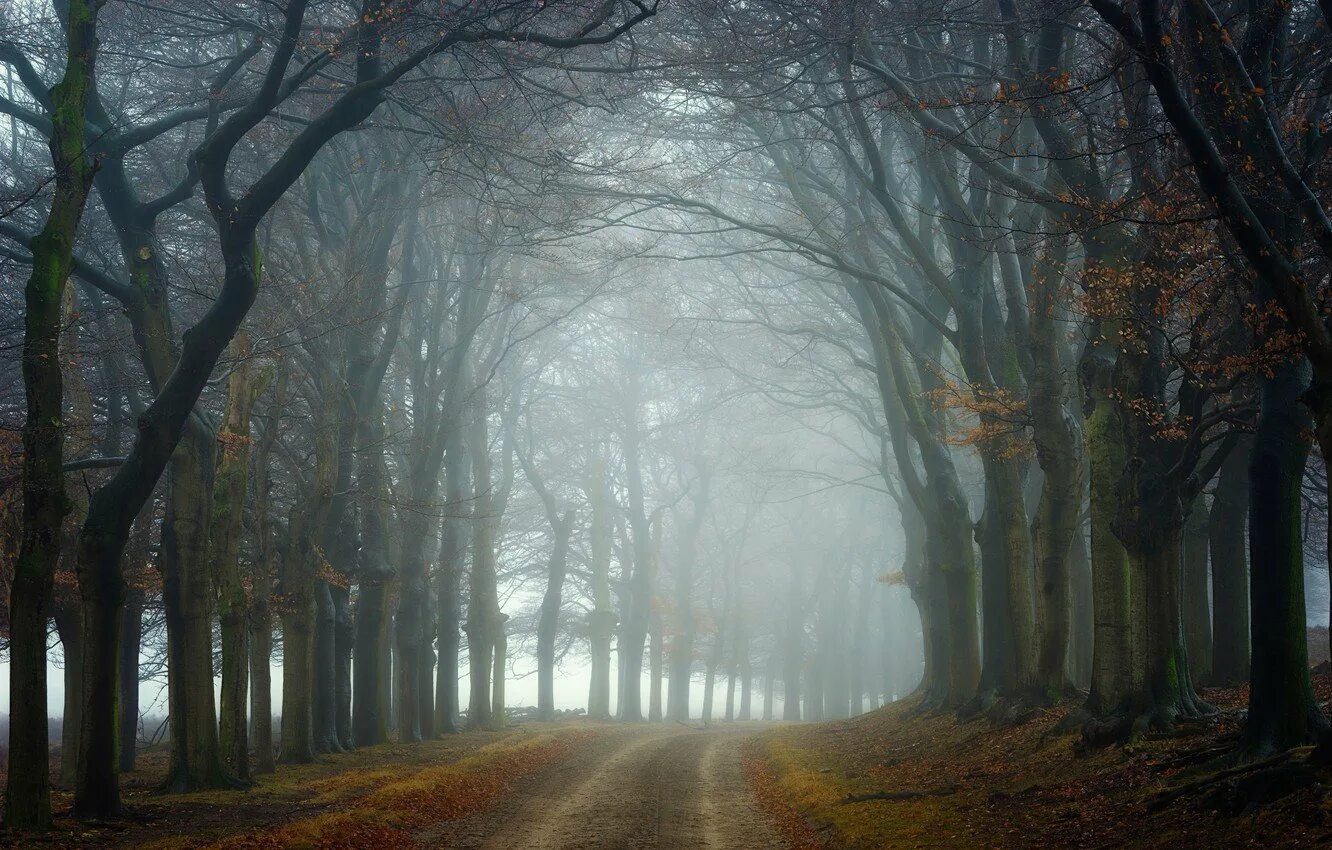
<point x="379" y="372"/>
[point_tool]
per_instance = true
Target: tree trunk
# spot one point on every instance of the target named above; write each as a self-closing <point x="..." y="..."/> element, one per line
<point x="1166" y="690"/>
<point x="230" y="484"/>
<point x="1000" y="645"/>
<point x="28" y="792"/>
<point x="1227" y="533"/>
<point x="482" y="603"/>
<point x="296" y="592"/>
<point x="655" y="655"/>
<point x="411" y="626"/>
<point x="954" y="560"/>
<point x="102" y="589"/>
<point x="769" y="684"/>
<point x="324" y="675"/>
<point x="730" y="691"/>
<point x="187" y="598"/>
<point x="682" y="644"/>
<point x="634" y="629"/>
<point x="425" y="670"/>
<point x="832" y="649"/>
<point x="298" y="626"/>
<point x="69" y="627"/>
<point x="1196" y="593"/>
<point x="709" y="682"/>
<point x="1058" y="441"/>
<point x="793" y="647"/>
<point x="131" y="637"/>
<point x="814" y="689"/>
<point x="452" y="555"/>
<point x="371" y="685"/>
<point x="1282" y="710"/>
<point x="263" y="574"/>
<point x="1081" y="616"/>
<point x="746" y="686"/>
<point x="601" y="620"/>
<point x="548" y="625"/>
<point x="498" y="718"/>
<point x="261" y="681"/>
<point x="1112" y="653"/>
<point x="861" y="639"/>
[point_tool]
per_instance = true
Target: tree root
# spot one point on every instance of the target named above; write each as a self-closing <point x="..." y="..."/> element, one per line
<point x="1158" y="720"/>
<point x="908" y="794"/>
<point x="1243" y="788"/>
<point x="1003" y="711"/>
<point x="178" y="782"/>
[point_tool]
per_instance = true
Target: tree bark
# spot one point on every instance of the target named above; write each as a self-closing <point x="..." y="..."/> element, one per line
<point x="1282" y="710"/>
<point x="1196" y="593"/>
<point x="1112" y="654"/>
<point x="131" y="636"/>
<point x="634" y="629"/>
<point x="28" y="792"/>
<point x="230" y="486"/>
<point x="1228" y="547"/>
<point x="483" y="603"/>
<point x="601" y="620"/>
<point x="69" y="628"/>
<point x="1081" y="616"/>
<point x="188" y="601"/>
<point x="452" y="554"/>
<point x="548" y="625"/>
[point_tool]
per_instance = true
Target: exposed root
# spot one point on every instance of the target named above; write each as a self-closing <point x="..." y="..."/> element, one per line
<point x="1100" y="732"/>
<point x="908" y="794"/>
<point x="1014" y="711"/>
<point x="978" y="705"/>
<point x="1245" y="787"/>
<point x="930" y="703"/>
<point x="1075" y="721"/>
<point x="1157" y="720"/>
<point x="178" y="782"/>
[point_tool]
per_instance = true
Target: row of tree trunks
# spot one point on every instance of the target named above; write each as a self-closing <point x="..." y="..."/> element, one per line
<point x="230" y="486"/>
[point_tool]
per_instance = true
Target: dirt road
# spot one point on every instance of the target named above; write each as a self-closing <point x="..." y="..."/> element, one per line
<point x="628" y="788"/>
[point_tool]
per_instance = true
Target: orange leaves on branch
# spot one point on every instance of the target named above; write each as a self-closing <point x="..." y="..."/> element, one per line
<point x="234" y="446"/>
<point x="326" y="572"/>
<point x="993" y="419"/>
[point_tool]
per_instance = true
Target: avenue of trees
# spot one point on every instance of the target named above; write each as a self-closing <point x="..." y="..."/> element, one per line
<point x="767" y="360"/>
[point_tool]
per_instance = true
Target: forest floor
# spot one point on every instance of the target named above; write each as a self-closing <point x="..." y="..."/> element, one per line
<point x="890" y="778"/>
<point x="572" y="784"/>
<point x="899" y="778"/>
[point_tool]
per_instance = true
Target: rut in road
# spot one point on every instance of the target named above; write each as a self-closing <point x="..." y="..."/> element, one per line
<point x="629" y="787"/>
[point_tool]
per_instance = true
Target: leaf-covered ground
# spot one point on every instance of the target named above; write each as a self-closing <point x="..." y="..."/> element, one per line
<point x="373" y="797"/>
<point x="899" y="778"/>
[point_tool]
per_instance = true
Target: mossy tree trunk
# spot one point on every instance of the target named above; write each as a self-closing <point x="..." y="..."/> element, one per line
<point x="28" y="791"/>
<point x="189" y="604"/>
<point x="230" y="487"/>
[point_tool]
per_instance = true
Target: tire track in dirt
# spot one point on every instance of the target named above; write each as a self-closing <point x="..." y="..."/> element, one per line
<point x="628" y="788"/>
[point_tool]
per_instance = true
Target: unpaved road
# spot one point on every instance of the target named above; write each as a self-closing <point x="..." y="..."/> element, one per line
<point x="628" y="788"/>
